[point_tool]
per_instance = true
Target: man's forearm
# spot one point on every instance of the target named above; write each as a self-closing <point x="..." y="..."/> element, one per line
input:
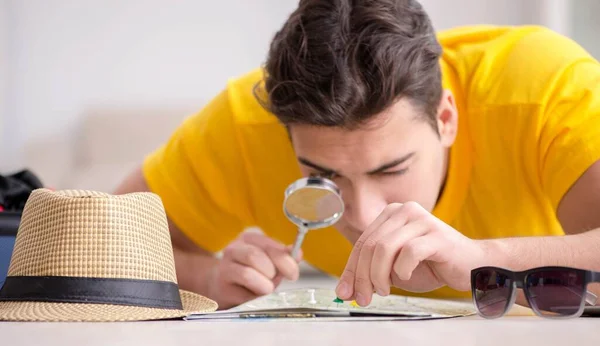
<point x="194" y="265"/>
<point x="195" y="270"/>
<point x="578" y="250"/>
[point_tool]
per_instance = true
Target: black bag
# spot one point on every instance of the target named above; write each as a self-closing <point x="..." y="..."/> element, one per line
<point x="15" y="189"/>
<point x="14" y="192"/>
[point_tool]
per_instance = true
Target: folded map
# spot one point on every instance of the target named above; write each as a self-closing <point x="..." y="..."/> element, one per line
<point x="322" y="304"/>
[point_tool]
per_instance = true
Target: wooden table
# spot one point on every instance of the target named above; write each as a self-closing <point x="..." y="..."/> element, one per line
<point x="521" y="330"/>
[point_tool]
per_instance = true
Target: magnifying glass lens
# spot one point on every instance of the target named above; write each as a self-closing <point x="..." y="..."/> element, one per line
<point x="312" y="203"/>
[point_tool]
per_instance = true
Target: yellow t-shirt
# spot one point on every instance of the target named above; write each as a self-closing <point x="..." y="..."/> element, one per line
<point x="529" y="126"/>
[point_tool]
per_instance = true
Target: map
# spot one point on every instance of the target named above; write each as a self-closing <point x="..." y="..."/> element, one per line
<point x="323" y="303"/>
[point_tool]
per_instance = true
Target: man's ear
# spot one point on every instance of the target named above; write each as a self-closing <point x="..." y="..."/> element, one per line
<point x="447" y="119"/>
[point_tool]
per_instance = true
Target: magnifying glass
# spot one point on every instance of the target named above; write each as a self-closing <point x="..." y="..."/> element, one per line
<point x="312" y="203"/>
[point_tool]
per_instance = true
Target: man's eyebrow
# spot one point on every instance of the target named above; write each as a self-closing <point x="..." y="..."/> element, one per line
<point x="315" y="166"/>
<point x="391" y="164"/>
<point x="375" y="171"/>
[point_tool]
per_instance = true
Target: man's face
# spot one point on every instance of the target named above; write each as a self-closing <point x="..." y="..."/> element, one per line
<point x="395" y="157"/>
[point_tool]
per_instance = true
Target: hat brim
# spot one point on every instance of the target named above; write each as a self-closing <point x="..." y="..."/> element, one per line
<point x="77" y="312"/>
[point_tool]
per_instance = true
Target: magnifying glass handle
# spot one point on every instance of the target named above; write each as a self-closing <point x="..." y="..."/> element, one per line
<point x="299" y="239"/>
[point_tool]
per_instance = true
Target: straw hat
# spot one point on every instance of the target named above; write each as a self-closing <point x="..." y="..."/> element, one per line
<point x="90" y="256"/>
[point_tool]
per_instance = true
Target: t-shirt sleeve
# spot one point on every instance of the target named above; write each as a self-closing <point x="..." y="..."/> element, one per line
<point x="569" y="141"/>
<point x="200" y="176"/>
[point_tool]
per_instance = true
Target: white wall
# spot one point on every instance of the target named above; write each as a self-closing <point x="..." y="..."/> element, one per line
<point x="554" y="14"/>
<point x="65" y="57"/>
<point x="450" y="13"/>
<point x="4" y="24"/>
<point x="587" y="25"/>
<point x="68" y="56"/>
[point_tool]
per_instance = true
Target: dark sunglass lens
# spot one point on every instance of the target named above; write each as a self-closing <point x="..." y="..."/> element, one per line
<point x="492" y="292"/>
<point x="556" y="292"/>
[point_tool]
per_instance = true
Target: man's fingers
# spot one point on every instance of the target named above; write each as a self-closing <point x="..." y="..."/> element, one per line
<point x="278" y="254"/>
<point x="277" y="280"/>
<point x="234" y="295"/>
<point x="300" y="254"/>
<point x="414" y="252"/>
<point x="395" y="217"/>
<point x="262" y="241"/>
<point x="345" y="288"/>
<point x="387" y="250"/>
<point x="285" y="264"/>
<point x="389" y="211"/>
<point x="249" y="278"/>
<point x="363" y="281"/>
<point x="363" y="288"/>
<point x="252" y="256"/>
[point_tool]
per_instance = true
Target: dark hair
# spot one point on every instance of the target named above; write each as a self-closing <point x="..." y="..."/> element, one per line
<point x="339" y="62"/>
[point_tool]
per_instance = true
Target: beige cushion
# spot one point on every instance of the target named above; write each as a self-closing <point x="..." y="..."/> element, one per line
<point x="106" y="146"/>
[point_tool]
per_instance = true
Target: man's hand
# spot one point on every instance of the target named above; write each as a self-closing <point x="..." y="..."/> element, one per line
<point x="253" y="265"/>
<point x="409" y="248"/>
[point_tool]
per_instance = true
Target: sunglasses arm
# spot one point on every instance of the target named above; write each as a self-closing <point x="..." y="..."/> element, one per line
<point x="590" y="298"/>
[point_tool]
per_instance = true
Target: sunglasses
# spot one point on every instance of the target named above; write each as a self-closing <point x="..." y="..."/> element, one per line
<point x="551" y="292"/>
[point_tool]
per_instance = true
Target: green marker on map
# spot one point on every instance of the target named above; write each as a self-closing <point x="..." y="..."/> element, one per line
<point x="338" y="300"/>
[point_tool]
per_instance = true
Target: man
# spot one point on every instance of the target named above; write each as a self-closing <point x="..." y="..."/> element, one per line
<point x="476" y="146"/>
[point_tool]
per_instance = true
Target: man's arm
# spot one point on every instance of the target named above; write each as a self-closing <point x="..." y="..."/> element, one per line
<point x="193" y="264"/>
<point x="253" y="265"/>
<point x="579" y="214"/>
<point x="579" y="210"/>
<point x="417" y="252"/>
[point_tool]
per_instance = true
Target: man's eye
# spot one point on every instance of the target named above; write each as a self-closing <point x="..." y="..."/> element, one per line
<point x="327" y="175"/>
<point x="397" y="172"/>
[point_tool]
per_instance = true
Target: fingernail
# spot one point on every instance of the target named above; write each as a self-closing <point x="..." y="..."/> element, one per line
<point x="343" y="291"/>
<point x="361" y="300"/>
<point x="381" y="292"/>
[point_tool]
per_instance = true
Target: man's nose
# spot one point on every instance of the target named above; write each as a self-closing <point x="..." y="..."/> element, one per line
<point x="363" y="208"/>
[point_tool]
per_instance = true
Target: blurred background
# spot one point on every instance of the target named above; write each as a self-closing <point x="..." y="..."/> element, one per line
<point x="88" y="87"/>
